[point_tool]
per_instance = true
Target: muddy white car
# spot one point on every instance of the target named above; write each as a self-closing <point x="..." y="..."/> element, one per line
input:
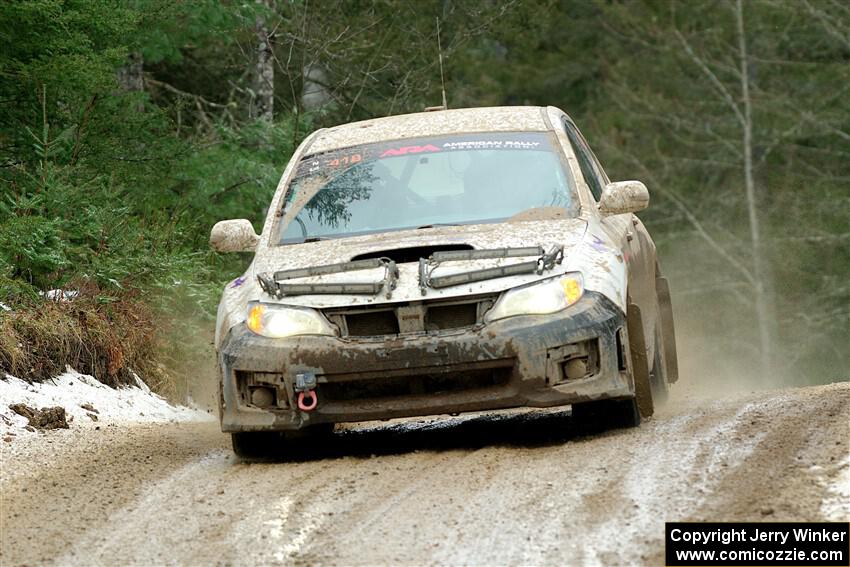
<point x="438" y="263"/>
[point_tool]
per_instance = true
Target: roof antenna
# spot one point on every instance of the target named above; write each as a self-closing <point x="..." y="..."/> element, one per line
<point x="445" y="105"/>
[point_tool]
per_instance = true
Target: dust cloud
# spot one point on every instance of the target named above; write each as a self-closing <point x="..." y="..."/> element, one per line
<point x="717" y="333"/>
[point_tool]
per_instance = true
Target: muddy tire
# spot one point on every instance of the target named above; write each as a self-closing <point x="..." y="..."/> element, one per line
<point x="639" y="362"/>
<point x="658" y="374"/>
<point x="629" y="412"/>
<point x="668" y="331"/>
<point x="256" y="444"/>
<point x="260" y="445"/>
<point x="607" y="414"/>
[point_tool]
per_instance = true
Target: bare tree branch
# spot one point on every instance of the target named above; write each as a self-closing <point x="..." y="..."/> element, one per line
<point x="831" y="26"/>
<point x="721" y="89"/>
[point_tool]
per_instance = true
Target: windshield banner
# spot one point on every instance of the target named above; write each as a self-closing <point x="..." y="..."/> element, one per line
<point x="340" y="159"/>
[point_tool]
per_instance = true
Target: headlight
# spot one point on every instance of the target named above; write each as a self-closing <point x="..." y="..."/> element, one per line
<point x="539" y="299"/>
<point x="277" y="322"/>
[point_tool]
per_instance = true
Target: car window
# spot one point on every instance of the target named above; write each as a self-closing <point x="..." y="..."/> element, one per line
<point x="590" y="167"/>
<point x="402" y="184"/>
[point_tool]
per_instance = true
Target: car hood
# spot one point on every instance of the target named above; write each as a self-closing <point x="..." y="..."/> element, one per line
<point x="543" y="233"/>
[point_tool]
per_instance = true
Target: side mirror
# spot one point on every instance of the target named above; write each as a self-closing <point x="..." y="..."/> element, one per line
<point x="233" y="236"/>
<point x="623" y="197"/>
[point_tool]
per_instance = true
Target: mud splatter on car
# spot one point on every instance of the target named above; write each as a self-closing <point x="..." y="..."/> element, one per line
<point x="438" y="263"/>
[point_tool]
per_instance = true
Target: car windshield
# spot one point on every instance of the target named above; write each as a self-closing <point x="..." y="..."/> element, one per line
<point x="412" y="183"/>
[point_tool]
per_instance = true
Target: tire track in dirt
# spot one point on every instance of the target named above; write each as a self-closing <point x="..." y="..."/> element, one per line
<point x="808" y="437"/>
<point x="491" y="489"/>
<point x="57" y="487"/>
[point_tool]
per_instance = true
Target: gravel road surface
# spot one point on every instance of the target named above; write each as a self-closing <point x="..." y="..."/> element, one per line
<point x="507" y="488"/>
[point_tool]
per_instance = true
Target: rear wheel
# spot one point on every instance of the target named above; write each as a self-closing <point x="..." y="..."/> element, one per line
<point x="668" y="332"/>
<point x="658" y="375"/>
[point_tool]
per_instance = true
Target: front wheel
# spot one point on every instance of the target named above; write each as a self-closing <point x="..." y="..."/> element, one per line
<point x="608" y="413"/>
<point x="639" y="362"/>
<point x="258" y="445"/>
<point x="629" y="412"/>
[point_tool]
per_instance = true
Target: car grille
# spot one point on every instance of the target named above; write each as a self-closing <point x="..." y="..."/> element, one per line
<point x="413" y="382"/>
<point x="371" y="323"/>
<point x="410" y="317"/>
<point x="451" y="316"/>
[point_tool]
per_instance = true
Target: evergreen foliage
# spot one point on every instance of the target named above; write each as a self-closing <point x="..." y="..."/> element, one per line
<point x="126" y="132"/>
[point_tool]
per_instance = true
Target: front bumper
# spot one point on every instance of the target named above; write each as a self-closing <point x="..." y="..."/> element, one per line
<point x="515" y="362"/>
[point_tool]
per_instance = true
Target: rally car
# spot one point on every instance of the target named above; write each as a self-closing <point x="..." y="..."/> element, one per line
<point x="437" y="263"/>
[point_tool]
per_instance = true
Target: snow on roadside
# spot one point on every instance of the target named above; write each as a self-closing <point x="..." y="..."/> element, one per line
<point x="836" y="505"/>
<point x="131" y="404"/>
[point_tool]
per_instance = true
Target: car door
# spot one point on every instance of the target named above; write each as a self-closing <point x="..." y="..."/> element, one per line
<point x="626" y="230"/>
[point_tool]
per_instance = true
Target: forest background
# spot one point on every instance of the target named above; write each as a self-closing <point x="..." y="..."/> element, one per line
<point x="128" y="128"/>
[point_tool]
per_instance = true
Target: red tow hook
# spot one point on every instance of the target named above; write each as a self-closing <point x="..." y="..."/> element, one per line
<point x="308" y="400"/>
<point x="305" y="387"/>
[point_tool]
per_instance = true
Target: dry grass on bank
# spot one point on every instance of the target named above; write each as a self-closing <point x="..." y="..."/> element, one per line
<point x="104" y="338"/>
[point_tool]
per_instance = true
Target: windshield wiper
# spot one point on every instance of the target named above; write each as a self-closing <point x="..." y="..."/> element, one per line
<point x="304" y="232"/>
<point x="545" y="261"/>
<point x="436" y="224"/>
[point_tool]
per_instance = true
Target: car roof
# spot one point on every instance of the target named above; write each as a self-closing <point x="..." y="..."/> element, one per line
<point x="435" y="123"/>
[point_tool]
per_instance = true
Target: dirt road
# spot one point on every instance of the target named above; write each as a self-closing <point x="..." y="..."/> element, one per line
<point x="492" y="489"/>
